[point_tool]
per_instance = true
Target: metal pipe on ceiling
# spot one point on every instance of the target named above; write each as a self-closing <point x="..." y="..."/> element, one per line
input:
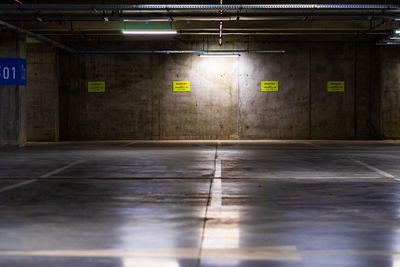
<point x="59" y="23"/>
<point x="278" y="33"/>
<point x="44" y="7"/>
<point x="197" y="17"/>
<point x="181" y="51"/>
<point x="387" y="43"/>
<point x="37" y="37"/>
<point x="392" y="39"/>
<point x="241" y="34"/>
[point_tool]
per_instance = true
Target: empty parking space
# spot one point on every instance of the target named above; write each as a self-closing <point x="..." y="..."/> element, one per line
<point x="274" y="204"/>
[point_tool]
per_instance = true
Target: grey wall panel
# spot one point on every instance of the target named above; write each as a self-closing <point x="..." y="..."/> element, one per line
<point x="42" y="93"/>
<point x="332" y="113"/>
<point x="12" y="98"/>
<point x="226" y="101"/>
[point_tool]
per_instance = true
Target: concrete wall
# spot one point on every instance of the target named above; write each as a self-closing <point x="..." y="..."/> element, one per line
<point x="225" y="101"/>
<point x="389" y="85"/>
<point x="275" y="115"/>
<point x="332" y="114"/>
<point x="139" y="102"/>
<point x="12" y="98"/>
<point x="42" y="93"/>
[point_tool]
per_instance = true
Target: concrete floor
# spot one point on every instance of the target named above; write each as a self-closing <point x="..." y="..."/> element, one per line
<point x="296" y="203"/>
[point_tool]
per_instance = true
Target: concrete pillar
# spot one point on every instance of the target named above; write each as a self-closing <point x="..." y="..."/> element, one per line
<point x="12" y="100"/>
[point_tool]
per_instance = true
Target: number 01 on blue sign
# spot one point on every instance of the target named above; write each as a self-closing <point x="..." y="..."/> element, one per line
<point x="12" y="71"/>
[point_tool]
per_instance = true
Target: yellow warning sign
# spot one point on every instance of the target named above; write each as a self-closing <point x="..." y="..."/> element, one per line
<point x="269" y="86"/>
<point x="181" y="86"/>
<point x="96" y="87"/>
<point x="336" y="86"/>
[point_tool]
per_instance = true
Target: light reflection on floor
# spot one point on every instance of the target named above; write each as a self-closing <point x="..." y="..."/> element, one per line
<point x="344" y="213"/>
<point x="146" y="262"/>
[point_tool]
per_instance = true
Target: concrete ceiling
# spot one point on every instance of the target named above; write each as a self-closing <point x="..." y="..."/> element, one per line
<point x="110" y="19"/>
<point x="205" y="1"/>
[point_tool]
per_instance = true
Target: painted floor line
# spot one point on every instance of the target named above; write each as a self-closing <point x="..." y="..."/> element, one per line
<point x="218" y="169"/>
<point x="303" y="178"/>
<point x="47" y="175"/>
<point x="383" y="173"/>
<point x="351" y="252"/>
<point x="214" y="201"/>
<point x="282" y="253"/>
<point x="216" y="193"/>
<point x="205" y="178"/>
<point x="16" y="185"/>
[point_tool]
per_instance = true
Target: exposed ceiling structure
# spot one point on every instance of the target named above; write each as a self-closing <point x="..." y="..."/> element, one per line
<point x="99" y="18"/>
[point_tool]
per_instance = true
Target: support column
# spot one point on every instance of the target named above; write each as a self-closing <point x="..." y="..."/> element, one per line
<point x="12" y="100"/>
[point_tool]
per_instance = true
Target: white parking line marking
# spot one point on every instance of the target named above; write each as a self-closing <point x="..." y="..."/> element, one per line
<point x="283" y="253"/>
<point x="351" y="252"/>
<point x="383" y="173"/>
<point x="216" y="193"/>
<point x="218" y="170"/>
<point x="16" y="185"/>
<point x="61" y="169"/>
<point x="306" y="178"/>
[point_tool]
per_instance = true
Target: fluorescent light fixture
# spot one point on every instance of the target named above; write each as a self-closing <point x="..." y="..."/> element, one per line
<point x="157" y="32"/>
<point x="146" y="20"/>
<point x="395" y="37"/>
<point x="397" y="32"/>
<point x="204" y="18"/>
<point x="219" y="55"/>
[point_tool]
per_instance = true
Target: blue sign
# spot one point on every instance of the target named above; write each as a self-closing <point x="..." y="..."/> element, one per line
<point x="12" y="71"/>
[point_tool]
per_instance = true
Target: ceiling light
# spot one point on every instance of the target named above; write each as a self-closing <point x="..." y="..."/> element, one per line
<point x="395" y="37"/>
<point x="397" y="32"/>
<point x="205" y="18"/>
<point x="146" y="20"/>
<point x="149" y="32"/>
<point x="219" y="55"/>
